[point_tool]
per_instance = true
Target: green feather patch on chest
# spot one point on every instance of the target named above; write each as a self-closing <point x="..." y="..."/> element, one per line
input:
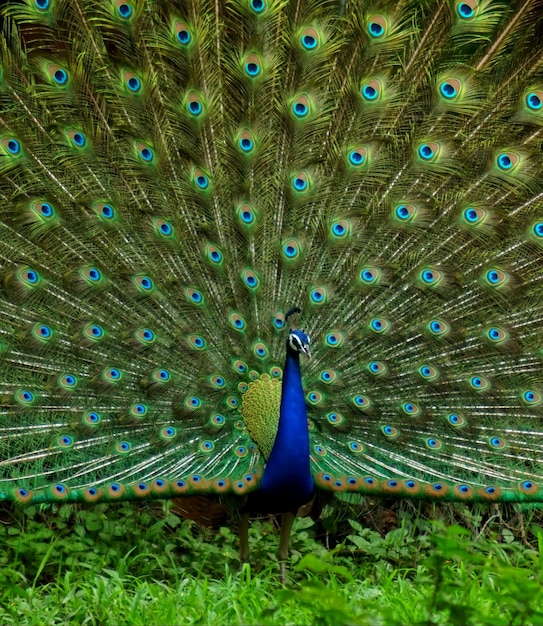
<point x="260" y="411"/>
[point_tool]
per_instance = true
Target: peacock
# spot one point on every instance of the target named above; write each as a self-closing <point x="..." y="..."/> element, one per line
<point x="262" y="250"/>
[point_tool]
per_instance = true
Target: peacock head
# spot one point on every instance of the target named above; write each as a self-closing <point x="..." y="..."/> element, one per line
<point x="298" y="341"/>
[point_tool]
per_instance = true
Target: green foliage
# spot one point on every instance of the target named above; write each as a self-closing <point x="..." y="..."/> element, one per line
<point x="134" y="564"/>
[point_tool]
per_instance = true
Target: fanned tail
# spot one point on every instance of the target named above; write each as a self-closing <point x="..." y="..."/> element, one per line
<point x="173" y="178"/>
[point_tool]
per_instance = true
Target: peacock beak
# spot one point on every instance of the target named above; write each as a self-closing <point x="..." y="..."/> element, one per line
<point x="307" y="352"/>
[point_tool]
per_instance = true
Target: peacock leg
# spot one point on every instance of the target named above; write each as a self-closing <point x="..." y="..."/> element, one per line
<point x="244" y="538"/>
<point x="287" y="519"/>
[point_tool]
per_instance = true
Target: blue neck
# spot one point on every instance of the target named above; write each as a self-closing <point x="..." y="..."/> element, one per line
<point x="287" y="482"/>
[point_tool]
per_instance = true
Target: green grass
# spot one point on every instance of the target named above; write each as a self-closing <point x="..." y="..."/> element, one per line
<point x="129" y="564"/>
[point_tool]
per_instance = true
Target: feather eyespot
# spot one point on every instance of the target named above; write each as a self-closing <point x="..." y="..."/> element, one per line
<point x="258" y="5"/>
<point x="139" y="410"/>
<point x="42" y="332"/>
<point x="237" y="322"/>
<point x="474" y="216"/>
<point x="531" y="397"/>
<point x="192" y="402"/>
<point x="300" y="182"/>
<point x="450" y="88"/>
<point x="65" y="441"/>
<point x="200" y="179"/>
<point x="161" y="375"/>
<point x="232" y="402"/>
<point x="291" y="250"/>
<point x="29" y="277"/>
<point x="456" y="420"/>
<point x="194" y="104"/>
<point x="218" y="420"/>
<point x="240" y="367"/>
<point x="91" y="419"/>
<point x="105" y="211"/>
<point x="507" y="161"/>
<point x="260" y="350"/>
<point x="144" y="152"/>
<point x="379" y="325"/>
<point x="92" y="275"/>
<point x="495" y="277"/>
<point x="206" y="446"/>
<point x="496" y="335"/>
<point x="370" y="275"/>
<point x="252" y="66"/>
<point x="163" y="228"/>
<point x="246" y="214"/>
<point x="438" y="328"/>
<point x="431" y="278"/>
<point x="464" y="491"/>
<point x="358" y="156"/>
<point x="315" y="398"/>
<point x="67" y="381"/>
<point x="217" y="381"/>
<point x="529" y="487"/>
<point x="537" y="230"/>
<point x="497" y="443"/>
<point x="77" y="138"/>
<point x="246" y="141"/>
<point x="534" y="101"/>
<point x="335" y="419"/>
<point x="428" y="372"/>
<point x="319" y="450"/>
<point x="377" y="27"/>
<point x="279" y="321"/>
<point x="319" y="295"/>
<point x="145" y="336"/>
<point x="11" y="146"/>
<point x="144" y="284"/>
<point x="301" y="107"/>
<point x="410" y="408"/>
<point x="334" y="340"/>
<point x="194" y="296"/>
<point x="58" y="74"/>
<point x="132" y="82"/>
<point x="250" y="279"/>
<point x="428" y="151"/>
<point x="406" y="215"/>
<point x="340" y="229"/>
<point x="391" y="432"/>
<point x="58" y="490"/>
<point x="43" y="210"/>
<point x="112" y="375"/>
<point x="310" y="39"/>
<point x="182" y="33"/>
<point x="124" y="9"/>
<point x="371" y="91"/>
<point x="361" y="402"/>
<point x="479" y="383"/>
<point x="466" y="10"/>
<point x="377" y="368"/>
<point x="197" y="342"/>
<point x="24" y="397"/>
<point x="328" y="376"/>
<point x="433" y="444"/>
